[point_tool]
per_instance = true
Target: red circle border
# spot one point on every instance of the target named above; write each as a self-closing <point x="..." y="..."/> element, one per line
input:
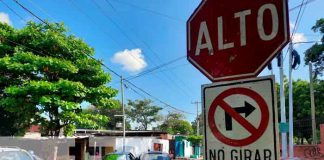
<point x="254" y="136"/>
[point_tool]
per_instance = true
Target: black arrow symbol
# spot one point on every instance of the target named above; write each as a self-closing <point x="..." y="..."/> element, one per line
<point x="247" y="109"/>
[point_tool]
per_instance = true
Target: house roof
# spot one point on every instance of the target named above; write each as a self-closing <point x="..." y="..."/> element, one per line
<point x="80" y="132"/>
<point x="34" y="128"/>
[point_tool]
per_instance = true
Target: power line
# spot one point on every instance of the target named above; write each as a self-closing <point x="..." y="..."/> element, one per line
<point x="157" y="99"/>
<point x="297" y="20"/>
<point x="293" y="8"/>
<point x="155" y="68"/>
<point x="170" y="68"/>
<point x="40" y="8"/>
<point x="91" y="19"/>
<point x="16" y="43"/>
<point x="107" y="1"/>
<point x="152" y="51"/>
<point x="145" y="44"/>
<point x="13" y="11"/>
<point x="44" y="22"/>
<point x="63" y="58"/>
<point x="150" y="11"/>
<point x="141" y="95"/>
<point x="167" y="105"/>
<point x="119" y="28"/>
<point x="122" y="31"/>
<point x="30" y="12"/>
<point x="133" y="85"/>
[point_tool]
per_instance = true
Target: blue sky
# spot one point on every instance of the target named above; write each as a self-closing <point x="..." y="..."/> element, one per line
<point x="131" y="36"/>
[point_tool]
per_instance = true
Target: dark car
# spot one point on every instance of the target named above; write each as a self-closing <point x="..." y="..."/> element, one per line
<point x="155" y="155"/>
<point x="119" y="156"/>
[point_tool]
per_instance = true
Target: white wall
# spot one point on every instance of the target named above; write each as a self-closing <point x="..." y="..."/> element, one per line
<point x="188" y="149"/>
<point x="102" y="141"/>
<point x="138" y="145"/>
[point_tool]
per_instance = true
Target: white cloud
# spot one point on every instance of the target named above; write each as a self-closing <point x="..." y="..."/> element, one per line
<point x="4" y="18"/>
<point x="291" y="26"/>
<point x="131" y="60"/>
<point x="299" y="37"/>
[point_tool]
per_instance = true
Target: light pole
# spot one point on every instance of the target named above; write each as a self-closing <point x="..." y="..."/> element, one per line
<point x="312" y="103"/>
<point x="123" y="107"/>
<point x="123" y="129"/>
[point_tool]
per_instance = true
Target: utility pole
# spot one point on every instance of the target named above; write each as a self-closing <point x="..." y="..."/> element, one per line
<point x="312" y="102"/>
<point x="197" y="104"/>
<point x="123" y="107"/>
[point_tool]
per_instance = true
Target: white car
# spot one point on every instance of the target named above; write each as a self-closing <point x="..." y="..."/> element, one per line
<point x="14" y="153"/>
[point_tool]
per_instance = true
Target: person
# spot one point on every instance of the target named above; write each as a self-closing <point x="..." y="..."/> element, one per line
<point x="98" y="156"/>
<point x="171" y="154"/>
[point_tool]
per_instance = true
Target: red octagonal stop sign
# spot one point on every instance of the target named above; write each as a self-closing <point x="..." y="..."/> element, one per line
<point x="233" y="39"/>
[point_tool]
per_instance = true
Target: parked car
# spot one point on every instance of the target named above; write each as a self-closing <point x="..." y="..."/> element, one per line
<point x="34" y="156"/>
<point x="14" y="153"/>
<point x="155" y="155"/>
<point x="120" y="156"/>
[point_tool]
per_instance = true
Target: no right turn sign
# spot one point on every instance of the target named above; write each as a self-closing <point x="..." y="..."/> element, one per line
<point x="240" y="120"/>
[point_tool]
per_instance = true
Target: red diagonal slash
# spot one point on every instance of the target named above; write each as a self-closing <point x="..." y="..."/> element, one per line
<point x="241" y="120"/>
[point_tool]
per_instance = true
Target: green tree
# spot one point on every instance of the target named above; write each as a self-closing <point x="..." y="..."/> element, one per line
<point x="11" y="124"/>
<point x="143" y="112"/>
<point x="195" y="139"/>
<point x="45" y="74"/>
<point x="174" y="123"/>
<point x="302" y="107"/>
<point x="315" y="54"/>
<point x="302" y="112"/>
<point x="108" y="112"/>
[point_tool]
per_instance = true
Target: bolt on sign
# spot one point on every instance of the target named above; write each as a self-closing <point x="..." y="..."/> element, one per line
<point x="240" y="120"/>
<point x="232" y="39"/>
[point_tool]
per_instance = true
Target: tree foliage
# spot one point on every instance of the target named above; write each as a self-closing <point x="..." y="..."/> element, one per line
<point x="174" y="123"/>
<point x="11" y="124"/>
<point x="315" y="54"/>
<point x="143" y="112"/>
<point x="302" y="107"/>
<point x="45" y="75"/>
<point x="108" y="112"/>
<point x="195" y="139"/>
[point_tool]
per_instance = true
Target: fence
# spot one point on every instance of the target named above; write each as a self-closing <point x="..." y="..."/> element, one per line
<point x="303" y="130"/>
<point x="304" y="149"/>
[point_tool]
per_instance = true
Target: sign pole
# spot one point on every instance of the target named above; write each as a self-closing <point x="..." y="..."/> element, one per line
<point x="291" y="106"/>
<point x="282" y="109"/>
